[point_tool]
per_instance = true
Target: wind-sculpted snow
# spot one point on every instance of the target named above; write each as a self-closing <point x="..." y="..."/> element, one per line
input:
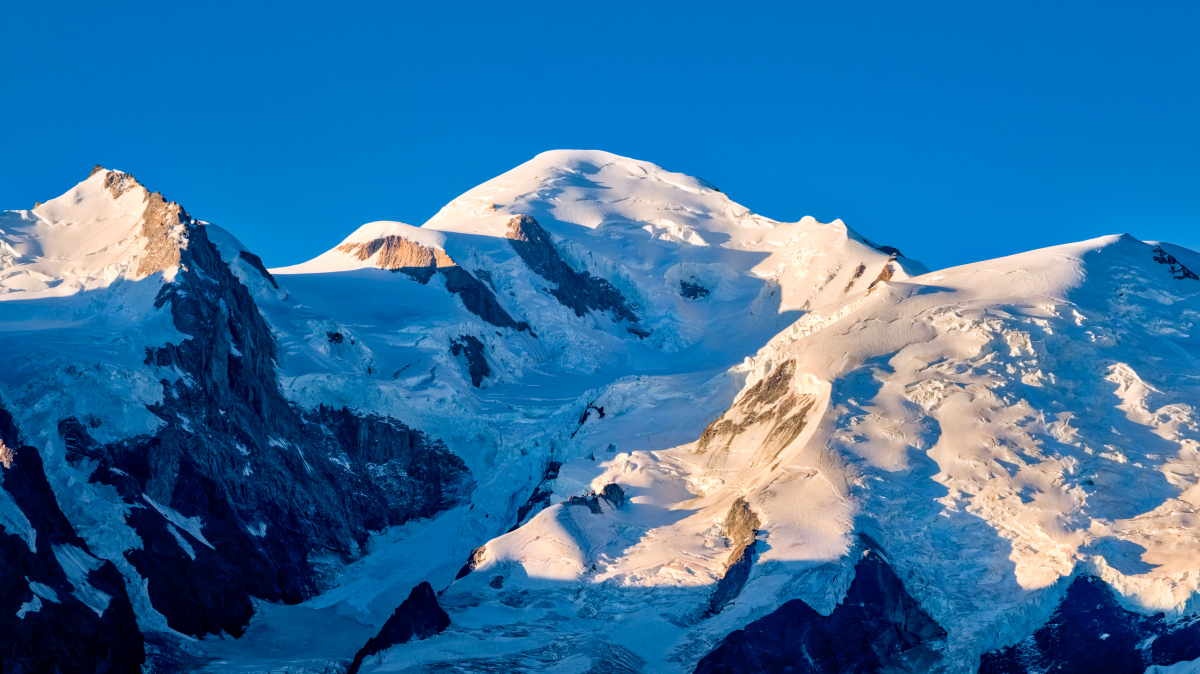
<point x="611" y="417"/>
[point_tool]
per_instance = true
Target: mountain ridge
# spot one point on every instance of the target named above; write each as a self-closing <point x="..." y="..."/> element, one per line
<point x="396" y="406"/>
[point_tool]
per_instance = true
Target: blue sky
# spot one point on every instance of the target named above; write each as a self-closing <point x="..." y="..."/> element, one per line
<point x="955" y="131"/>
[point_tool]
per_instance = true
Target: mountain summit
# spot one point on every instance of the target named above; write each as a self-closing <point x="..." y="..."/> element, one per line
<point x="591" y="416"/>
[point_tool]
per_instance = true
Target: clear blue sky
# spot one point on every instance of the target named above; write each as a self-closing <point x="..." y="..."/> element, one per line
<point x="956" y="131"/>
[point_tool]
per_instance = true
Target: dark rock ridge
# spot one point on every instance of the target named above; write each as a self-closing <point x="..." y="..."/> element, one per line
<point x="420" y="263"/>
<point x="473" y="562"/>
<point x="1179" y="271"/>
<point x="692" y="291"/>
<point x="256" y="262"/>
<point x="280" y="496"/>
<point x="418" y="617"/>
<point x="539" y="500"/>
<point x="56" y="618"/>
<point x="894" y="252"/>
<point x="857" y="275"/>
<point x="1090" y="632"/>
<point x="741" y="528"/>
<point x="876" y="622"/>
<point x="579" y="291"/>
<point x="612" y="493"/>
<point x="472" y="349"/>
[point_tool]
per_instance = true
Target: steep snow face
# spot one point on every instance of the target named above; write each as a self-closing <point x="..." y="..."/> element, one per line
<point x="596" y="282"/>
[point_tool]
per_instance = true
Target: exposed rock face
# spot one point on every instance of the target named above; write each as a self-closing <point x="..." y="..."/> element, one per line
<point x="771" y="403"/>
<point x="267" y="485"/>
<point x="862" y="268"/>
<point x="890" y="250"/>
<point x="885" y="274"/>
<point x="1177" y="269"/>
<point x="399" y="254"/>
<point x="61" y="609"/>
<point x="1090" y="632"/>
<point x="472" y="349"/>
<point x="611" y="492"/>
<point x="877" y="621"/>
<point x="579" y="291"/>
<point x="418" y="617"/>
<point x="477" y="557"/>
<point x="539" y="500"/>
<point x="740" y="527"/>
<point x="421" y="262"/>
<point x="163" y="231"/>
<point x="256" y="262"/>
<point x="692" y="291"/>
<point x="117" y="183"/>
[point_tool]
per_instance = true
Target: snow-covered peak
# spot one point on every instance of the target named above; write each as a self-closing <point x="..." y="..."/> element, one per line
<point x="688" y="264"/>
<point x="103" y="196"/>
<point x="596" y="190"/>
<point x="106" y="227"/>
<point x="642" y="221"/>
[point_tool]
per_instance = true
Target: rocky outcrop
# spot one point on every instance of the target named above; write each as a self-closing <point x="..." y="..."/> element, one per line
<point x="421" y="262"/>
<point x="473" y="562"/>
<point x="579" y="291"/>
<point x="611" y="492"/>
<point x="539" y="500"/>
<point x="772" y="403"/>
<point x="876" y="622"/>
<point x="889" y="250"/>
<point x="1090" y="632"/>
<point x="256" y="262"/>
<point x="418" y="617"/>
<point x="692" y="291"/>
<point x="741" y="528"/>
<point x="862" y="268"/>
<point x="239" y="494"/>
<point x="1179" y="271"/>
<point x="397" y="253"/>
<point x="470" y="348"/>
<point x="162" y="232"/>
<point x="885" y="274"/>
<point x="61" y="608"/>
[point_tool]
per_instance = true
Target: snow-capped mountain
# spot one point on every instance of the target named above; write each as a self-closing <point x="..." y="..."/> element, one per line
<point x="591" y="416"/>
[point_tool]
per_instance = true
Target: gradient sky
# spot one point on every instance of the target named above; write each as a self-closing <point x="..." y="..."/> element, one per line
<point x="955" y="131"/>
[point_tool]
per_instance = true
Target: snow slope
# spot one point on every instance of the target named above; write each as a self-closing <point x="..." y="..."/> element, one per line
<point x="997" y="428"/>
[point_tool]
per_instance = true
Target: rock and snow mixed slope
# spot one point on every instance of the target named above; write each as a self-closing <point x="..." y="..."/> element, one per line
<point x="999" y="429"/>
<point x="662" y="432"/>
